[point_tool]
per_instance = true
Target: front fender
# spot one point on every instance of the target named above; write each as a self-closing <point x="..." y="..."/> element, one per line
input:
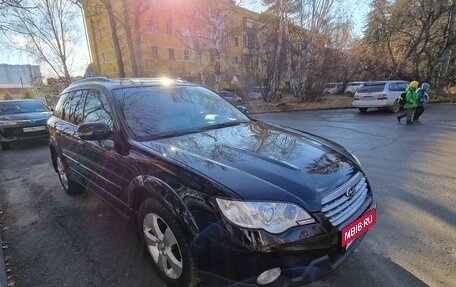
<point x="146" y="186"/>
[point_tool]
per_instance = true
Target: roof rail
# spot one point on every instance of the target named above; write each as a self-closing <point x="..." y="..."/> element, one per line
<point x="102" y="79"/>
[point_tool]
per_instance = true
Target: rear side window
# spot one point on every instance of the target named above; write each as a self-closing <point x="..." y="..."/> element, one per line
<point x="372" y="88"/>
<point x="398" y="87"/>
<point x="59" y="107"/>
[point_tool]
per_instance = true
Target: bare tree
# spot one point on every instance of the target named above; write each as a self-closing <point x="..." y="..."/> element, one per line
<point x="115" y="37"/>
<point x="49" y="33"/>
<point x="210" y="35"/>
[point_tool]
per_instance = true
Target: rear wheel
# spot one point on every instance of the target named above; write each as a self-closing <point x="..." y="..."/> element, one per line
<point x="69" y="186"/>
<point x="363" y="110"/>
<point x="5" y="146"/>
<point x="396" y="106"/>
<point x="166" y="244"/>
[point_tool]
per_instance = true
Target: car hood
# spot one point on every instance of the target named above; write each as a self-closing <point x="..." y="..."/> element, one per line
<point x="26" y="116"/>
<point x="258" y="161"/>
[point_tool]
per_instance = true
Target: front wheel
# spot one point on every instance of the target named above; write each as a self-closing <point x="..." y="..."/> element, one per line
<point x="363" y="110"/>
<point x="166" y="244"/>
<point x="396" y="106"/>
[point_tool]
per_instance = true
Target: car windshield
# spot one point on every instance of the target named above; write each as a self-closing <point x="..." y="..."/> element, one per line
<point x="15" y="107"/>
<point x="158" y="112"/>
<point x="372" y="88"/>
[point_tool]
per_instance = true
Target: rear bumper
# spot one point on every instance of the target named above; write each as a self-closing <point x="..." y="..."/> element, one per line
<point x="372" y="104"/>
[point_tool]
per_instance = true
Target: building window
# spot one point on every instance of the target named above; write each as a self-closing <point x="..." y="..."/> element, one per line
<point x="98" y="34"/>
<point x="155" y="55"/>
<point x="249" y="23"/>
<point x="185" y="32"/>
<point x="236" y="42"/>
<point x="249" y="41"/>
<point x="152" y="26"/>
<point x="97" y="10"/>
<point x="186" y="55"/>
<point x="169" y="29"/>
<point x="236" y="22"/>
<point x="103" y="57"/>
<point x="172" y="55"/>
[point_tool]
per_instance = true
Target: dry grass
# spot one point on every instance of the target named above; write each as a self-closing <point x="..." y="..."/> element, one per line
<point x="288" y="104"/>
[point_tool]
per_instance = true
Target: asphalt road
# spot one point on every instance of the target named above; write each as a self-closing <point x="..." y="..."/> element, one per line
<point x="57" y="240"/>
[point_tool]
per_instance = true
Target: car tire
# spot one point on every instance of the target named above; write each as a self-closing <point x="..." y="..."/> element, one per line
<point x="69" y="186"/>
<point x="396" y="107"/>
<point x="5" y="146"/>
<point x="363" y="110"/>
<point x="166" y="244"/>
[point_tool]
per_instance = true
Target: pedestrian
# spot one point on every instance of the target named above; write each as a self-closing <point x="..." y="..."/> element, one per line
<point x="410" y="103"/>
<point x="421" y="99"/>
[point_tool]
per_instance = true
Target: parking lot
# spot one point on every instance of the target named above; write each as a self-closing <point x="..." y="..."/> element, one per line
<point x="57" y="240"/>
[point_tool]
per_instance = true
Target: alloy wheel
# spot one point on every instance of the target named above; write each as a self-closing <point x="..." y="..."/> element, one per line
<point x="163" y="246"/>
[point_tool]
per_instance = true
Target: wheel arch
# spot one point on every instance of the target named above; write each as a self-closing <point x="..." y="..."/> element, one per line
<point x="54" y="151"/>
<point x="144" y="187"/>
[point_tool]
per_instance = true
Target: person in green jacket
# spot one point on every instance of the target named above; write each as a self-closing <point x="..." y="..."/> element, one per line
<point x="410" y="103"/>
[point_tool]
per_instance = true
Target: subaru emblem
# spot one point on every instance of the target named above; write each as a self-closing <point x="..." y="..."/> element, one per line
<point x="351" y="192"/>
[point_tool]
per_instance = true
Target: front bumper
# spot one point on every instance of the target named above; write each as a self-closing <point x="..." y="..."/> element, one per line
<point x="226" y="255"/>
<point x="9" y="134"/>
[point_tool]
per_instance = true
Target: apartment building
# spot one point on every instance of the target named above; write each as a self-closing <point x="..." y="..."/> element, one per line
<point x="203" y="41"/>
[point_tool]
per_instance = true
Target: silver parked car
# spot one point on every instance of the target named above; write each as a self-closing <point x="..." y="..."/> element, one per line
<point x="352" y="87"/>
<point x="380" y="95"/>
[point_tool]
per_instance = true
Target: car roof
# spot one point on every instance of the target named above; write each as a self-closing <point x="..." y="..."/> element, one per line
<point x="384" y="82"/>
<point x="125" y="82"/>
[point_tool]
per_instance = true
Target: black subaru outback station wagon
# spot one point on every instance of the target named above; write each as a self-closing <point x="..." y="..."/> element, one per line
<point x="213" y="193"/>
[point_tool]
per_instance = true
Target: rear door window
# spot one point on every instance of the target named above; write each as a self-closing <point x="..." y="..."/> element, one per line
<point x="96" y="109"/>
<point x="73" y="107"/>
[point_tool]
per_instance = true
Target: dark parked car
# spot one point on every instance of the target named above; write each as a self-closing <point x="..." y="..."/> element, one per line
<point x="231" y="97"/>
<point x="22" y="120"/>
<point x="215" y="194"/>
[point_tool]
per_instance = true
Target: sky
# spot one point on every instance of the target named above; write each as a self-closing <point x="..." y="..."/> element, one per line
<point x="355" y="9"/>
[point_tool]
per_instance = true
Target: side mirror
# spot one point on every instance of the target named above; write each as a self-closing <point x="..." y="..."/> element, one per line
<point x="243" y="109"/>
<point x="94" y="131"/>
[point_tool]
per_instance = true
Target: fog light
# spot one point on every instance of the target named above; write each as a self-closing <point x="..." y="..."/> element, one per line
<point x="268" y="276"/>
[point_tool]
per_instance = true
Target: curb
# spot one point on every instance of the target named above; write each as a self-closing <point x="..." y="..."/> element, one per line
<point x="3" y="278"/>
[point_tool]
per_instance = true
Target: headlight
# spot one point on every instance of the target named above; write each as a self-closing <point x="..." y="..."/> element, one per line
<point x="273" y="217"/>
<point x="5" y="123"/>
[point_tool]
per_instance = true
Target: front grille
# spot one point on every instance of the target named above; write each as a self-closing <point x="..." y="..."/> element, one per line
<point x="338" y="207"/>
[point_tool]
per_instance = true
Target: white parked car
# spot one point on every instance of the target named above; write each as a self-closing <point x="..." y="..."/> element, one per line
<point x="380" y="95"/>
<point x="352" y="87"/>
<point x="333" y="88"/>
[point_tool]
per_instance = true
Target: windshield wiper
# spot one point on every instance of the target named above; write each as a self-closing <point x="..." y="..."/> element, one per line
<point x="194" y="130"/>
<point x="221" y="125"/>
